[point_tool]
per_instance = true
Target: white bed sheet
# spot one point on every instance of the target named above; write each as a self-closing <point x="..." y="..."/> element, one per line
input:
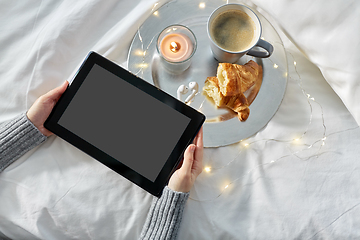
<point x="268" y="186"/>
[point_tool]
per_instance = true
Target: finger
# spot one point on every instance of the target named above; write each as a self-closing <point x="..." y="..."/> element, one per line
<point x="198" y="162"/>
<point x="180" y="164"/>
<point x="56" y="93"/>
<point x="200" y="138"/>
<point x="197" y="136"/>
<point x="188" y="158"/>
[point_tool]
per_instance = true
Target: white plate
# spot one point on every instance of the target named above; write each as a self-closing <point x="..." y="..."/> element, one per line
<point x="144" y="61"/>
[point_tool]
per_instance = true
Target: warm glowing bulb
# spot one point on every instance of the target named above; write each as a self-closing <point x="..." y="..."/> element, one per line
<point x="156" y="13"/>
<point x="275" y="65"/>
<point x="226" y="186"/>
<point x="296" y="139"/>
<point x="202" y="5"/>
<point x="294" y="63"/>
<point x="175" y="47"/>
<point x="143" y="65"/>
<point x="246" y="144"/>
<point x="140" y="52"/>
<point x="207" y="169"/>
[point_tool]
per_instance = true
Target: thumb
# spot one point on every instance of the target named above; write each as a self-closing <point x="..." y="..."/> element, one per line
<point x="189" y="158"/>
<point x="56" y="93"/>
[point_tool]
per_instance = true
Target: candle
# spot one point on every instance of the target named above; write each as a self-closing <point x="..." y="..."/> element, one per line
<point x="176" y="47"/>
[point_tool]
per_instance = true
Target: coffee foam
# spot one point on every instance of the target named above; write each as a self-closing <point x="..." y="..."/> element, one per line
<point x="233" y="30"/>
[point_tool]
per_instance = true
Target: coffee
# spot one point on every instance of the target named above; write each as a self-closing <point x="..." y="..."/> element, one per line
<point x="233" y="30"/>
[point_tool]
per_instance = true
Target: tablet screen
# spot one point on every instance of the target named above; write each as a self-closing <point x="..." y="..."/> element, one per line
<point x="124" y="122"/>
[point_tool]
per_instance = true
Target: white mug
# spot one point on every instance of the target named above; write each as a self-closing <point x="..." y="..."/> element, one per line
<point x="224" y="55"/>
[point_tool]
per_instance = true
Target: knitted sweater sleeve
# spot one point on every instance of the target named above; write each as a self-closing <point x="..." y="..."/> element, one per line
<point x="164" y="217"/>
<point x="16" y="138"/>
<point x="20" y="136"/>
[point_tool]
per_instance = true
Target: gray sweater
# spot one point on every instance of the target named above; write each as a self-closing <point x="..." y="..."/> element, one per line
<point x="19" y="136"/>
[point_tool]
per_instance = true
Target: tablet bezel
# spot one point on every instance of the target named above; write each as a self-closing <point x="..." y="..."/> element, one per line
<point x="156" y="187"/>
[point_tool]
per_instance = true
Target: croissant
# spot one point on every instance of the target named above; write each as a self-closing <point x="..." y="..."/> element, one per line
<point x="238" y="103"/>
<point x="235" y="79"/>
<point x="227" y="89"/>
<point x="249" y="73"/>
<point x="212" y="89"/>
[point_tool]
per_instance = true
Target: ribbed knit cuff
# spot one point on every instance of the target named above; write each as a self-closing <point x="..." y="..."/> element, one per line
<point x="164" y="218"/>
<point x="16" y="138"/>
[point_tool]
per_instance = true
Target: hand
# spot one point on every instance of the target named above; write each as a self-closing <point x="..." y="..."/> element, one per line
<point x="42" y="107"/>
<point x="183" y="179"/>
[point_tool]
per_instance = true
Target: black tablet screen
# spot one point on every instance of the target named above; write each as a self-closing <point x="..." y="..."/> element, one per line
<point x="124" y="122"/>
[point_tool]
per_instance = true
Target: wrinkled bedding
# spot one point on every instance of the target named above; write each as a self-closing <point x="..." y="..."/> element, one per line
<point x="297" y="178"/>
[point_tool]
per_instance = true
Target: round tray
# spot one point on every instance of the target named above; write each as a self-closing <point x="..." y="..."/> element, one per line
<point x="222" y="127"/>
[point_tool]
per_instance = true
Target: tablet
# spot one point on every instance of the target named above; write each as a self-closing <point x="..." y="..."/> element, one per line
<point x="129" y="125"/>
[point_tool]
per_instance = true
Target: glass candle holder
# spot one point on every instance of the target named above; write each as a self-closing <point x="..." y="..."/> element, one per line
<point x="176" y="45"/>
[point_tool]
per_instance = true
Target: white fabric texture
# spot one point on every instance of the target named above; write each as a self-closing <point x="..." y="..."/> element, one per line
<point x="277" y="188"/>
<point x="327" y="32"/>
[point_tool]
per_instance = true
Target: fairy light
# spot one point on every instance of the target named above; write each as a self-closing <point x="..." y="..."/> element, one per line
<point x="143" y="52"/>
<point x="140" y="52"/>
<point x="323" y="141"/>
<point x="153" y="8"/>
<point x="202" y="5"/>
<point x="295" y="140"/>
<point x="143" y="65"/>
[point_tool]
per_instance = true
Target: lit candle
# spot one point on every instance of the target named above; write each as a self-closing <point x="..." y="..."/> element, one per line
<point x="176" y="47"/>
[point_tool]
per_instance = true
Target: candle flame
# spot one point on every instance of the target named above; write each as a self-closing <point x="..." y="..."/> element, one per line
<point x="175" y="46"/>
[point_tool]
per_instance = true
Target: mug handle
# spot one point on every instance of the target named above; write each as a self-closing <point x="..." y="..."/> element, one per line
<point x="261" y="54"/>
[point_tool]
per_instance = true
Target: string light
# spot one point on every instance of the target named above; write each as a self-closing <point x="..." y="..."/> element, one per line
<point x="143" y="65"/>
<point x="153" y="8"/>
<point x="143" y="52"/>
<point x="297" y="140"/>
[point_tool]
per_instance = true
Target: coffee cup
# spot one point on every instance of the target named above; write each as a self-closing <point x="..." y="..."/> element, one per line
<point x="235" y="30"/>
